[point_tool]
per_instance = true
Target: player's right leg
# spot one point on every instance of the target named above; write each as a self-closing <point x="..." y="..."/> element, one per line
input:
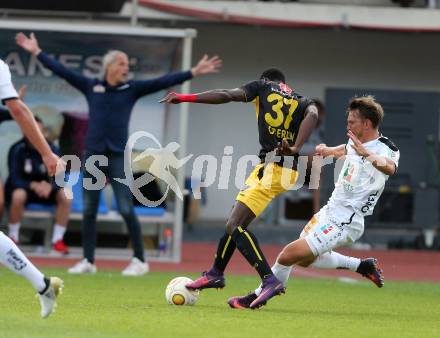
<point x="214" y="278"/>
<point x="330" y="229"/>
<point x="369" y="268"/>
<point x="47" y="288"/>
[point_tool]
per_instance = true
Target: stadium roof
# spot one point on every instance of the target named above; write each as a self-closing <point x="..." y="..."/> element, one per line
<point x="291" y="15"/>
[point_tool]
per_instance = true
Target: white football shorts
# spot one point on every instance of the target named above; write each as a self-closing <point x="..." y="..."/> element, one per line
<point x="331" y="228"/>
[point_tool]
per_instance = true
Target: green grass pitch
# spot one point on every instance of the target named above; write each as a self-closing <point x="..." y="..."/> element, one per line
<point x="109" y="305"/>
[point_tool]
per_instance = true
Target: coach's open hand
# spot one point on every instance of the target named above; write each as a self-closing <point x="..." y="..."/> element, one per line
<point x="29" y="44"/>
<point x="207" y="65"/>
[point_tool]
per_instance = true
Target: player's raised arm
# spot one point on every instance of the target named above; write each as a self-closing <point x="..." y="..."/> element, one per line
<point x="215" y="96"/>
<point x="381" y="163"/>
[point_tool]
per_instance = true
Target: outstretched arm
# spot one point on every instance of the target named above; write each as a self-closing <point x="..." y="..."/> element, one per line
<point x="30" y="44"/>
<point x="324" y="151"/>
<point x="215" y="96"/>
<point x="206" y="65"/>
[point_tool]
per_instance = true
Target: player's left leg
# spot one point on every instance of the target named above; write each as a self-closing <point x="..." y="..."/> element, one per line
<point x="367" y="267"/>
<point x="47" y="288"/>
<point x="214" y="277"/>
<point x="240" y="214"/>
<point x="247" y="243"/>
<point x="334" y="260"/>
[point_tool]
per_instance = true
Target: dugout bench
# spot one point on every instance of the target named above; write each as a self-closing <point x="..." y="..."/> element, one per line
<point x="153" y="220"/>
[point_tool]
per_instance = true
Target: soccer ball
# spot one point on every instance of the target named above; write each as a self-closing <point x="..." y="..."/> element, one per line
<point x="177" y="294"/>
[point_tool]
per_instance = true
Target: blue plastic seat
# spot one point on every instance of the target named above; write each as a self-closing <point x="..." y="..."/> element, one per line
<point x="39" y="207"/>
<point x="147" y="211"/>
<point x="77" y="202"/>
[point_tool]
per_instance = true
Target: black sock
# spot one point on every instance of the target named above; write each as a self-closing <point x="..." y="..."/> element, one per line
<point x="47" y="282"/>
<point x="247" y="244"/>
<point x="225" y="250"/>
<point x="363" y="267"/>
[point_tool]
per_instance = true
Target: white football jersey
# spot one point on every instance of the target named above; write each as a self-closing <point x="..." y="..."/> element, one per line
<point x="360" y="184"/>
<point x="7" y="90"/>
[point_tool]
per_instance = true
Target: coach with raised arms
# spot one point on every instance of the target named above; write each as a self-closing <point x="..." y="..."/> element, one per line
<point x="111" y="102"/>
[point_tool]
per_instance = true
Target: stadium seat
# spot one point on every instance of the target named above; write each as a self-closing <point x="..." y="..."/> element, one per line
<point x="77" y="202"/>
<point x="147" y="211"/>
<point x="40" y="207"/>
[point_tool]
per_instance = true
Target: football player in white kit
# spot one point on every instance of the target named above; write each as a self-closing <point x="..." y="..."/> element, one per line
<point x="10" y="255"/>
<point x="369" y="159"/>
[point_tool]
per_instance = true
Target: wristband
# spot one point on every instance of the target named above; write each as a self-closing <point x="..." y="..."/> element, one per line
<point x="186" y="97"/>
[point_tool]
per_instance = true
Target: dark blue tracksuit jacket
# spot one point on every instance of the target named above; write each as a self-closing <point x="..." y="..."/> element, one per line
<point x="110" y="107"/>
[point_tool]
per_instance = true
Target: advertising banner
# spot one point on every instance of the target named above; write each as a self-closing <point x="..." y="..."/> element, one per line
<point x="55" y="101"/>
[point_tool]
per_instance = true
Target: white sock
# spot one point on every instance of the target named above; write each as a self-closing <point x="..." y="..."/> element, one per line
<point x="281" y="272"/>
<point x="14" y="231"/>
<point x="334" y="260"/>
<point x="12" y="257"/>
<point x="58" y="232"/>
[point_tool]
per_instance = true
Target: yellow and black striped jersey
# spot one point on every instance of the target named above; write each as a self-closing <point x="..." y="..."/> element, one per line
<point x="279" y="112"/>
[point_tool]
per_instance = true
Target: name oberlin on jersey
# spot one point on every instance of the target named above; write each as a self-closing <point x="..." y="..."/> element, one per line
<point x="281" y="133"/>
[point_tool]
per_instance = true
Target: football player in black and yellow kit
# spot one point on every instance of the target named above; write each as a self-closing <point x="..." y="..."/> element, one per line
<point x="285" y="121"/>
